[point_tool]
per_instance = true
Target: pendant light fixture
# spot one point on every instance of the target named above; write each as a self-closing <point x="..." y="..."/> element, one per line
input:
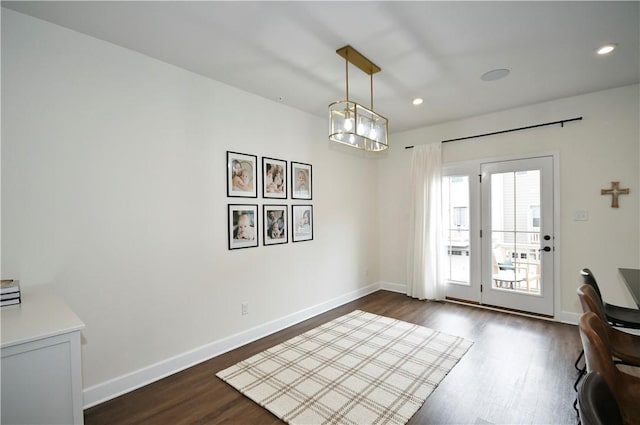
<point x="353" y="124"/>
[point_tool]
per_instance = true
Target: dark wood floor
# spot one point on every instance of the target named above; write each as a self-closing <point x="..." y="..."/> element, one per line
<point x="519" y="371"/>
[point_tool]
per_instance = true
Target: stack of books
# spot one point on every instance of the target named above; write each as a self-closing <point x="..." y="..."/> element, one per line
<point x="9" y="292"/>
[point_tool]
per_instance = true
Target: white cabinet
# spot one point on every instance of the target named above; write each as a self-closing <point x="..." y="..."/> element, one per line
<point x="41" y="361"/>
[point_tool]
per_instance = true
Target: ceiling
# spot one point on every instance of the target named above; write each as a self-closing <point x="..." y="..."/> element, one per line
<point x="285" y="51"/>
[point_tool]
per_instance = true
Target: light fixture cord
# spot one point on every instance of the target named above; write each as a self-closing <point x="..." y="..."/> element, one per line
<point x="346" y="73"/>
<point x="371" y="76"/>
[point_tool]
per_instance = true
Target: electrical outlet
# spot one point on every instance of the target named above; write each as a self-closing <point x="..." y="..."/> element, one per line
<point x="245" y="309"/>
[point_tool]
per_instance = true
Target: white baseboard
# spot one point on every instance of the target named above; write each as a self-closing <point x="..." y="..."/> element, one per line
<point x="123" y="384"/>
<point x="568" y="317"/>
<point x="393" y="287"/>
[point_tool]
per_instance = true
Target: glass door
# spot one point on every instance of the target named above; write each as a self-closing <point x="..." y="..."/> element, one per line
<point x="460" y="204"/>
<point x="517" y="234"/>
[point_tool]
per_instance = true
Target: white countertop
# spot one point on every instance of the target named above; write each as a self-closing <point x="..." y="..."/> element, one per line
<point x="40" y="315"/>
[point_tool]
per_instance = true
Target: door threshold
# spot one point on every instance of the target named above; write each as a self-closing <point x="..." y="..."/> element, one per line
<point x="498" y="308"/>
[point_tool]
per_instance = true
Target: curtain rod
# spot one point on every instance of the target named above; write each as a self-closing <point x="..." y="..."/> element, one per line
<point x="561" y="122"/>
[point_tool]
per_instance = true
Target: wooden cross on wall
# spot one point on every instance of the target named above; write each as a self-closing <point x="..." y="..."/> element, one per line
<point x="614" y="192"/>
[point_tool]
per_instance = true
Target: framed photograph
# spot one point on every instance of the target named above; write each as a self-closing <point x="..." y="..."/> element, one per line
<point x="302" y="223"/>
<point x="275" y="225"/>
<point x="274" y="178"/>
<point x="242" y="175"/>
<point x="243" y="226"/>
<point x="300" y="180"/>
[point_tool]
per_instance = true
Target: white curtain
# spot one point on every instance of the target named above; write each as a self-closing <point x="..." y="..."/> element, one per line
<point x="425" y="255"/>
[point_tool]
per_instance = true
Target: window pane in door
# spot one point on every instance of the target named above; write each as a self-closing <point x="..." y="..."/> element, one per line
<point x="455" y="201"/>
<point x="515" y="218"/>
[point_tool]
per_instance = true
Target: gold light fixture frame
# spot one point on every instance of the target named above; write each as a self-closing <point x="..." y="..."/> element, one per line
<point x="351" y="123"/>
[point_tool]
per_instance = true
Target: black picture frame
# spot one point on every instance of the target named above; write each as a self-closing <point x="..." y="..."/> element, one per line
<point x="301" y="181"/>
<point x="275" y="224"/>
<point x="242" y="226"/>
<point x="301" y="223"/>
<point x="242" y="175"/>
<point x="274" y="178"/>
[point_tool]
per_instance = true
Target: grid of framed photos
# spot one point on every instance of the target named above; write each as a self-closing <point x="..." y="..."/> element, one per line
<point x="275" y="222"/>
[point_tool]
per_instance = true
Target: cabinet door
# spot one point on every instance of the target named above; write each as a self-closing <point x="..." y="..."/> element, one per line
<point x="38" y="382"/>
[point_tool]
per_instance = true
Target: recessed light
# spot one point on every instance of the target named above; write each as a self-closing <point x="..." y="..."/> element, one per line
<point x="417" y="101"/>
<point x="495" y="74"/>
<point x="607" y="48"/>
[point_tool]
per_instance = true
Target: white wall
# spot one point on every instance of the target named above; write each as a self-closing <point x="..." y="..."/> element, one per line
<point x="601" y="148"/>
<point x="114" y="195"/>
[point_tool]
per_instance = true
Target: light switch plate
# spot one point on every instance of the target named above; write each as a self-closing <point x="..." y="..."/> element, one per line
<point x="581" y="215"/>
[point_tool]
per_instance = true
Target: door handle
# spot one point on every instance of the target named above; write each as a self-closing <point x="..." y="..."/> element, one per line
<point x="545" y="249"/>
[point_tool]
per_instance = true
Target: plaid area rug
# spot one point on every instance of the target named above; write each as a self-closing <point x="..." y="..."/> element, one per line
<point x="358" y="369"/>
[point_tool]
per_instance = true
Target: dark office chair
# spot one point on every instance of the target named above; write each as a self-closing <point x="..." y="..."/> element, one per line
<point x="599" y="358"/>
<point x="616" y="315"/>
<point x="596" y="403"/>
<point x="624" y="346"/>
